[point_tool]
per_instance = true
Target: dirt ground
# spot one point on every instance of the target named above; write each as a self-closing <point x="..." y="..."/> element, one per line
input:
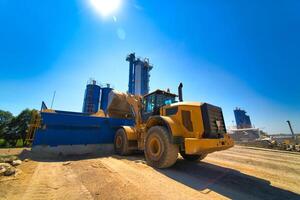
<point x="237" y="173"/>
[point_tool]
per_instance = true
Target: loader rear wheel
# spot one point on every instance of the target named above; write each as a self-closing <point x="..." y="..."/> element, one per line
<point x="159" y="151"/>
<point x="192" y="157"/>
<point x="121" y="143"/>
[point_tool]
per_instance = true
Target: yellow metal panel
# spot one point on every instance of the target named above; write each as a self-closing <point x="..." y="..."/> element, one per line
<point x="186" y="103"/>
<point x="174" y="125"/>
<point x="200" y="146"/>
<point x="175" y="121"/>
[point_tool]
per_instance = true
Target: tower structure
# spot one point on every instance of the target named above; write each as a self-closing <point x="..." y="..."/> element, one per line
<point x="139" y="75"/>
<point x="242" y="120"/>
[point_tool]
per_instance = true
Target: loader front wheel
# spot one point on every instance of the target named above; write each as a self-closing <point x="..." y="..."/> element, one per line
<point x="192" y="157"/>
<point x="121" y="143"/>
<point x="159" y="151"/>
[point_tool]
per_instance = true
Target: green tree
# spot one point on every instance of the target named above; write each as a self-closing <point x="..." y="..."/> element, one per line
<point x="5" y="119"/>
<point x="11" y="135"/>
<point x="18" y="126"/>
<point x="23" y="121"/>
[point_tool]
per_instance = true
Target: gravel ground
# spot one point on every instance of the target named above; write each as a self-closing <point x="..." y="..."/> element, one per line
<point x="237" y="173"/>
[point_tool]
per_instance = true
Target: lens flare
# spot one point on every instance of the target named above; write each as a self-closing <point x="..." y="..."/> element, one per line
<point x="106" y="7"/>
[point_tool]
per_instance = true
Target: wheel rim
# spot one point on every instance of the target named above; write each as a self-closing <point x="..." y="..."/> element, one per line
<point x="155" y="148"/>
<point x="118" y="142"/>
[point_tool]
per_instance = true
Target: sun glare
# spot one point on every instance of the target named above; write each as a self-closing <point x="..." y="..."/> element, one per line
<point x="106" y="7"/>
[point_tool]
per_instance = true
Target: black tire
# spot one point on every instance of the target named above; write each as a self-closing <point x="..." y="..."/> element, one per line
<point x="159" y="151"/>
<point x="121" y="143"/>
<point x="192" y="157"/>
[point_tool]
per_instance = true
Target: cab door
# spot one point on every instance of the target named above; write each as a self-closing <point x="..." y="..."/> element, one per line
<point x="148" y="107"/>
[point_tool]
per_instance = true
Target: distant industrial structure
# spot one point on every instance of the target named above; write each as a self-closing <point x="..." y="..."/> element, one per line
<point x="242" y="120"/>
<point x="105" y="90"/>
<point x="95" y="97"/>
<point x="243" y="132"/>
<point x="91" y="97"/>
<point x="139" y="74"/>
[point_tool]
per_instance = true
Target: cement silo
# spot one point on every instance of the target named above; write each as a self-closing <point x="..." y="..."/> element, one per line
<point x="104" y="97"/>
<point x="91" y="100"/>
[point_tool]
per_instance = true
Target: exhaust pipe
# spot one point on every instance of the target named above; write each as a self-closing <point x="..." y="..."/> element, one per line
<point x="180" y="92"/>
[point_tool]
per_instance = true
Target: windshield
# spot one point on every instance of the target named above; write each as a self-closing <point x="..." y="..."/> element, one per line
<point x="164" y="100"/>
<point x="154" y="101"/>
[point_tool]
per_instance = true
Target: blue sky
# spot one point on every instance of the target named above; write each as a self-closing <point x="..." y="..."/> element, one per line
<point x="228" y="53"/>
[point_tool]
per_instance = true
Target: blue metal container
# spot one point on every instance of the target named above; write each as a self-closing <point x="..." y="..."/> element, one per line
<point x="104" y="97"/>
<point x="91" y="98"/>
<point x="71" y="128"/>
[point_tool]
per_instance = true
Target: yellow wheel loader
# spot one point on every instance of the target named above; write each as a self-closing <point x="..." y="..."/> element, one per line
<point x="163" y="127"/>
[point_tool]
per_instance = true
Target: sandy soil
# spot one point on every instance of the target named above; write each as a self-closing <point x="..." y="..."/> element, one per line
<point x="238" y="173"/>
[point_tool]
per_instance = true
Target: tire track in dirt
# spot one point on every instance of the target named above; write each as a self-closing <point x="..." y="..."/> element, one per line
<point x="261" y="162"/>
<point x="155" y="184"/>
<point x="280" y="173"/>
<point x="203" y="180"/>
<point x="55" y="181"/>
<point x="103" y="182"/>
<point x="237" y="173"/>
<point x="286" y="155"/>
<point x="253" y="156"/>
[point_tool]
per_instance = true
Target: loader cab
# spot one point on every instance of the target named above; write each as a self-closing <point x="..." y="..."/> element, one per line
<point x="153" y="101"/>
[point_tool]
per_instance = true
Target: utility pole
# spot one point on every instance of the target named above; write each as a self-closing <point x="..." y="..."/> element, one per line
<point x="53" y="99"/>
<point x="289" y="123"/>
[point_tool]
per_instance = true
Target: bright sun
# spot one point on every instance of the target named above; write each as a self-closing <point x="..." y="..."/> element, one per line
<point x="106" y="7"/>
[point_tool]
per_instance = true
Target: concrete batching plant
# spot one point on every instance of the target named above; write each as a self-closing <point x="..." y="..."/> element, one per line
<point x="139" y="74"/>
<point x="95" y="97"/>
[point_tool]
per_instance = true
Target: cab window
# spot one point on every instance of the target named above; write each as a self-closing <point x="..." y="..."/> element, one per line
<point x="149" y="103"/>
